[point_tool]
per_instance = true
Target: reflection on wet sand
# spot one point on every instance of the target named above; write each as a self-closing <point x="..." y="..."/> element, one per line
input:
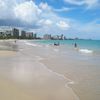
<point x="7" y="53"/>
<point x="40" y="81"/>
<point x="28" y="79"/>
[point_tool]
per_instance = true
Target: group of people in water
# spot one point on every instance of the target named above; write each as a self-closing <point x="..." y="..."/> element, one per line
<point x="57" y="44"/>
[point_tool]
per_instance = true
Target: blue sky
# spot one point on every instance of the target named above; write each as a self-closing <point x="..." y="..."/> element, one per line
<point x="73" y="18"/>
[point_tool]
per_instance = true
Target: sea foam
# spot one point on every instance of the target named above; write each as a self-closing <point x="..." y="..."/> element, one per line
<point x="30" y="44"/>
<point x="56" y="50"/>
<point x="85" y="51"/>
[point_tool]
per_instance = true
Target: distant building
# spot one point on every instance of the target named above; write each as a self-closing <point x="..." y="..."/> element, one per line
<point x="23" y="34"/>
<point x="29" y="35"/>
<point x="34" y="36"/>
<point x="55" y="37"/>
<point x="65" y="38"/>
<point x="47" y="36"/>
<point x="76" y="38"/>
<point x="2" y="34"/>
<point x="8" y="32"/>
<point x="58" y="37"/>
<point x="62" y="37"/>
<point x="15" y="33"/>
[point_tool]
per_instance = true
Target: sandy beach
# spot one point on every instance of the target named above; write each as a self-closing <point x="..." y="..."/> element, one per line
<point x="31" y="70"/>
<point x="49" y="49"/>
<point x="24" y="75"/>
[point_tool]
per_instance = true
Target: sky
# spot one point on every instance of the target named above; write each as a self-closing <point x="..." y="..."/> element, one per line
<point x="73" y="18"/>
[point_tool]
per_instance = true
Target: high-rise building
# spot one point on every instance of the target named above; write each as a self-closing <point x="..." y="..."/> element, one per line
<point x="9" y="32"/>
<point x="62" y="37"/>
<point x="34" y="36"/>
<point x="15" y="33"/>
<point x="29" y="35"/>
<point x="47" y="36"/>
<point x="23" y="34"/>
<point x="55" y="37"/>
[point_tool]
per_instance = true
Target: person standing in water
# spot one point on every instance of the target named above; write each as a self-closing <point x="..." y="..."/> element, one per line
<point x="75" y="45"/>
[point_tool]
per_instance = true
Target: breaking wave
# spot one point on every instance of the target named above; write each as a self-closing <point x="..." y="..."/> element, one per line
<point x="85" y="51"/>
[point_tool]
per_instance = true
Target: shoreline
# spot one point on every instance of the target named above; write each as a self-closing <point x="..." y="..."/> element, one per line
<point x="68" y="81"/>
<point x="32" y="62"/>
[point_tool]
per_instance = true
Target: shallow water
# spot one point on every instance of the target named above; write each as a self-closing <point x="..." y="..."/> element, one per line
<point x="81" y="65"/>
<point x="25" y="71"/>
<point x="53" y="72"/>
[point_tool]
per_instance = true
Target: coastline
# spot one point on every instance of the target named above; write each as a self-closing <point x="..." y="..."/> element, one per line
<point x="26" y="71"/>
<point x="79" y="70"/>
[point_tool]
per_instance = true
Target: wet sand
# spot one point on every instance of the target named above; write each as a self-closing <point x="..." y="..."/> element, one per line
<point x="81" y="70"/>
<point x="9" y="91"/>
<point x="6" y="53"/>
<point x="24" y="77"/>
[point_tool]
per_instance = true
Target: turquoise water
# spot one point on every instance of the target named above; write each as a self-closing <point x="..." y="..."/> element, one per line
<point x="83" y="44"/>
<point x="81" y="65"/>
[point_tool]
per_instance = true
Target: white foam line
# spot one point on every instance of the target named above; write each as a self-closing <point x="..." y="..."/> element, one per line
<point x="39" y="58"/>
<point x="20" y="49"/>
<point x="85" y="51"/>
<point x="56" y="50"/>
<point x="51" y="71"/>
<point x="32" y="44"/>
<point x="47" y="45"/>
<point x="63" y="77"/>
<point x="60" y="75"/>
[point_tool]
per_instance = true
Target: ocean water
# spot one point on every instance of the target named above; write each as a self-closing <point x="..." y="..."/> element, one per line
<point x="82" y="65"/>
<point x="83" y="44"/>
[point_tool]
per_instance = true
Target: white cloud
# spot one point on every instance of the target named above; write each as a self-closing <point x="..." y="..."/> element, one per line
<point x="2" y="3"/>
<point x="64" y="9"/>
<point x="88" y="3"/>
<point x="27" y="12"/>
<point x="84" y="30"/>
<point x="91" y="27"/>
<point x="63" y="25"/>
<point x="75" y="2"/>
<point x="48" y="22"/>
<point x="44" y="6"/>
<point x="6" y="7"/>
<point x="91" y="3"/>
<point x="45" y="22"/>
<point x="22" y="10"/>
